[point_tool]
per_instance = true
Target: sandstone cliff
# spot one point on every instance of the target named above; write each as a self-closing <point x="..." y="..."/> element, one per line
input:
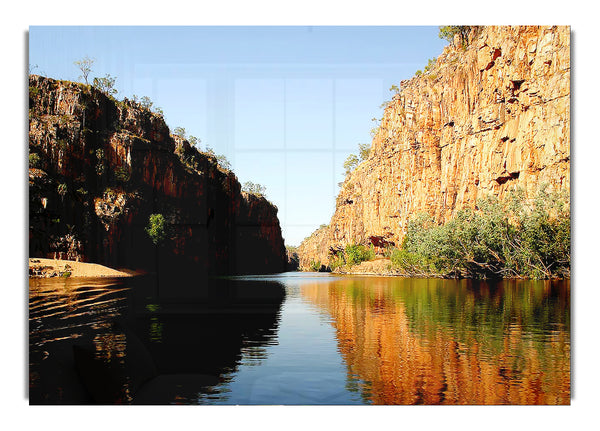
<point x="484" y="119"/>
<point x="99" y="168"/>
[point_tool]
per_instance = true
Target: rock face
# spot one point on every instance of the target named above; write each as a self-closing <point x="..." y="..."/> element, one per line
<point x="100" y="167"/>
<point x="482" y="120"/>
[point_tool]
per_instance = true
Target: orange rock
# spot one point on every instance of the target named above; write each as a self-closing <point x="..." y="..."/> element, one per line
<point x="482" y="121"/>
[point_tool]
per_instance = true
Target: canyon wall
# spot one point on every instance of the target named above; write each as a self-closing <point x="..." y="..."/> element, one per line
<point x="485" y="118"/>
<point x="100" y="167"/>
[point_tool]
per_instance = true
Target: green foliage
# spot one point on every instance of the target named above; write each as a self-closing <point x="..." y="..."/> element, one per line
<point x="395" y="89"/>
<point x="85" y="65"/>
<point x="193" y="140"/>
<point x="514" y="238"/>
<point x="224" y="163"/>
<point x="412" y="263"/>
<point x="351" y="163"/>
<point x="34" y="160"/>
<point x="447" y="32"/>
<point x="352" y="255"/>
<point x="156" y="228"/>
<point x="364" y="150"/>
<point x="255" y="189"/>
<point x="337" y="261"/>
<point x="62" y="189"/>
<point x="315" y="266"/>
<point x="106" y="85"/>
<point x="179" y="131"/>
<point x="430" y="65"/>
<point x="122" y="174"/>
<point x="357" y="253"/>
<point x="82" y="192"/>
<point x="33" y="92"/>
<point x="418" y="72"/>
<point x="100" y="162"/>
<point x="146" y="102"/>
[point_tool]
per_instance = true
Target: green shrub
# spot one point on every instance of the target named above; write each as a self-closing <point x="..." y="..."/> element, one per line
<point x="447" y="32"/>
<point x="122" y="174"/>
<point x="315" y="266"/>
<point x="337" y="261"/>
<point x="34" y="160"/>
<point x="33" y="92"/>
<point x="357" y="253"/>
<point x="62" y="189"/>
<point x="156" y="228"/>
<point x="514" y="238"/>
<point x="224" y="163"/>
<point x="255" y="189"/>
<point x="351" y="163"/>
<point x="100" y="162"/>
<point x="106" y="85"/>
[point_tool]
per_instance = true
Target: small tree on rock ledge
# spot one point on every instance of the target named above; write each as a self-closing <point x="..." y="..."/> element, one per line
<point x="255" y="189"/>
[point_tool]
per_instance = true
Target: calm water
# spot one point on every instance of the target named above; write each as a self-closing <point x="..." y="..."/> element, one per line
<point x="300" y="338"/>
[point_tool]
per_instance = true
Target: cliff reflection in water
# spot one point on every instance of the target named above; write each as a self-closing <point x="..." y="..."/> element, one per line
<point x="415" y="341"/>
<point x="128" y="341"/>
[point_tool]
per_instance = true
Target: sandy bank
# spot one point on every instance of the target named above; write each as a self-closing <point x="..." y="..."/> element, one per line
<point x="39" y="267"/>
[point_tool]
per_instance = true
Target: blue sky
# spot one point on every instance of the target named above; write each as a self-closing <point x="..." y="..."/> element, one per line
<point x="285" y="105"/>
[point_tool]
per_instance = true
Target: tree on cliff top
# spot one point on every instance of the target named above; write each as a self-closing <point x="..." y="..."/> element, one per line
<point x="179" y="131"/>
<point x="255" y="189"/>
<point x="85" y="65"/>
<point x="106" y="85"/>
<point x="447" y="32"/>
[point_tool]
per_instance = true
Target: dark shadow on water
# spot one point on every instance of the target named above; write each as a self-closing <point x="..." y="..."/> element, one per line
<point x="144" y="341"/>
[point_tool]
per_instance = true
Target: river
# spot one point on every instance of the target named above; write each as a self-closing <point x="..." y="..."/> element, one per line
<point x="299" y="338"/>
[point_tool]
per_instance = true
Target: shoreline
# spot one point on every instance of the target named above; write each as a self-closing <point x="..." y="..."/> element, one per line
<point x="381" y="267"/>
<point x="49" y="268"/>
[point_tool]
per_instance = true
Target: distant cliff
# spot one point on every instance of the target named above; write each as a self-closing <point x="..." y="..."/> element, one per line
<point x="100" y="167"/>
<point x="483" y="119"/>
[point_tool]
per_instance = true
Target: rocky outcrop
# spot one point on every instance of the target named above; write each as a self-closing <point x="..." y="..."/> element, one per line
<point x="482" y="120"/>
<point x="100" y="167"/>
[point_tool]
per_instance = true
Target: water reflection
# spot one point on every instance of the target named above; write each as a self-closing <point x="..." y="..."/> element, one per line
<point x="299" y="339"/>
<point x="63" y="313"/>
<point x="117" y="341"/>
<point x="411" y="341"/>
